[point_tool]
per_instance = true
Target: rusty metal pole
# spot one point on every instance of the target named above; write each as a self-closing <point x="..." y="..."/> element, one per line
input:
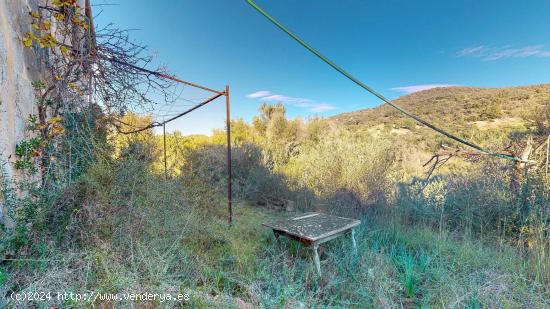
<point x="547" y="151"/>
<point x="229" y="175"/>
<point x="164" y="137"/>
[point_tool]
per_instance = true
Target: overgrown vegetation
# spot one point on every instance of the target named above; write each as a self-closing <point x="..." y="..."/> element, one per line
<point x="127" y="228"/>
<point x="94" y="211"/>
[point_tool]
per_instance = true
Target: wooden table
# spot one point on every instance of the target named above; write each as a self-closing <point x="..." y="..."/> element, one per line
<point x="313" y="229"/>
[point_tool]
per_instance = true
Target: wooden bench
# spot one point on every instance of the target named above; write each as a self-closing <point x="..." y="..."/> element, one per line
<point x="313" y="229"/>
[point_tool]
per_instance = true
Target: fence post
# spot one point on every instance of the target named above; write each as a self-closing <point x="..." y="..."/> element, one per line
<point x="229" y="174"/>
<point x="164" y="137"/>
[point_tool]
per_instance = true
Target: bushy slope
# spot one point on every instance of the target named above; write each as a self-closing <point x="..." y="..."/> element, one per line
<point x="454" y="106"/>
<point x="489" y="117"/>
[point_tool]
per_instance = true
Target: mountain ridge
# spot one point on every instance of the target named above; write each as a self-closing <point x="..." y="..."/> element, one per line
<point x="468" y="104"/>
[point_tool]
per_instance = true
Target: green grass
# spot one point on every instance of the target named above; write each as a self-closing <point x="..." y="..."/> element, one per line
<point x="191" y="248"/>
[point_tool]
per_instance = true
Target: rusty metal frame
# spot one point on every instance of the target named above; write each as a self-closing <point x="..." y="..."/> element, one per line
<point x="163" y="124"/>
<point x="88" y="13"/>
<point x="228" y="133"/>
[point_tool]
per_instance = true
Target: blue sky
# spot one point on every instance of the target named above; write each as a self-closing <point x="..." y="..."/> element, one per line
<point x="397" y="47"/>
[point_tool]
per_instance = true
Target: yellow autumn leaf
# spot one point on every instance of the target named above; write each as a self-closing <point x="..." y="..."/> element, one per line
<point x="27" y="41"/>
<point x="35" y="26"/>
<point x="34" y="14"/>
<point x="55" y="119"/>
<point x="57" y="130"/>
<point x="57" y="77"/>
<point x="50" y="39"/>
<point x="59" y="16"/>
<point x="64" y="50"/>
<point x="46" y="24"/>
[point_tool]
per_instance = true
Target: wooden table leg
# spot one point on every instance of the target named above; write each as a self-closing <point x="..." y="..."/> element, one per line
<point x="316" y="258"/>
<point x="353" y="241"/>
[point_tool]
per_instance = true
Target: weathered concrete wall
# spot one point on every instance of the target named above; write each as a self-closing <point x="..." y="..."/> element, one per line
<point x="19" y="66"/>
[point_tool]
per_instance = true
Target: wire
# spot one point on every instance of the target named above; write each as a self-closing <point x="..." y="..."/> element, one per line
<point x="158" y="124"/>
<point x="377" y="94"/>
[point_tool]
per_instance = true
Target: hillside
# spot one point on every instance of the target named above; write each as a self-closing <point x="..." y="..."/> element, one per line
<point x="455" y="108"/>
<point x="485" y="116"/>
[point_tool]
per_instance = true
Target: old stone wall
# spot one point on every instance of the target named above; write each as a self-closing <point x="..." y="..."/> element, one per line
<point x="19" y="67"/>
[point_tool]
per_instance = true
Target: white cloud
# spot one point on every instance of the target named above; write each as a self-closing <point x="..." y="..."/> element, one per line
<point x="416" y="88"/>
<point x="471" y="51"/>
<point x="312" y="106"/>
<point x="259" y="94"/>
<point x="322" y="107"/>
<point x="486" y="53"/>
<point x="278" y="97"/>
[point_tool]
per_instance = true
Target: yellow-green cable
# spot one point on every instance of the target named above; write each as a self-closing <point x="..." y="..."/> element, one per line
<point x="374" y="92"/>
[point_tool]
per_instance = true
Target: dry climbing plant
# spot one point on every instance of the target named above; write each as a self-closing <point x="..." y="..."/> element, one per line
<point x="89" y="79"/>
<point x="86" y="71"/>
